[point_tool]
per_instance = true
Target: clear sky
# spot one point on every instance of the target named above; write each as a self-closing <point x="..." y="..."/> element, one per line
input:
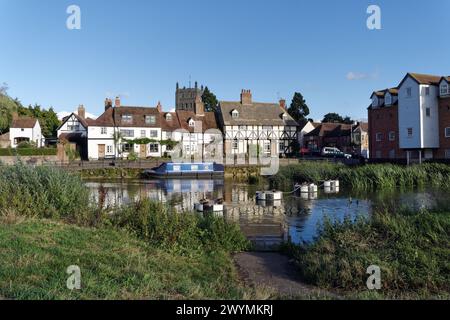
<point x="140" y="49"/>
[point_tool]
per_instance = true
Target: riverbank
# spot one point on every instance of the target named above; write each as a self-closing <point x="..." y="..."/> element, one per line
<point x="139" y="251"/>
<point x="364" y="177"/>
<point x="410" y="248"/>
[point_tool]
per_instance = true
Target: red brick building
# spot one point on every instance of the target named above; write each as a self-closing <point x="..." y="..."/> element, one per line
<point x="383" y="126"/>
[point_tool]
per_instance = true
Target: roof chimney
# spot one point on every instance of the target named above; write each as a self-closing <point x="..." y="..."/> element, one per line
<point x="159" y="107"/>
<point x="246" y="97"/>
<point x="283" y="103"/>
<point x="117" y="102"/>
<point x="81" y="111"/>
<point x="108" y="104"/>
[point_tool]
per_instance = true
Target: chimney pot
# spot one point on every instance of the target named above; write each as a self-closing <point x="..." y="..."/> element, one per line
<point x="283" y="103"/>
<point x="246" y="97"/>
<point x="159" y="106"/>
<point x="117" y="102"/>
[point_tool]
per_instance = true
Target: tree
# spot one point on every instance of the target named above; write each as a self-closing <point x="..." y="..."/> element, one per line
<point x="333" y="117"/>
<point x="209" y="99"/>
<point x="299" y="109"/>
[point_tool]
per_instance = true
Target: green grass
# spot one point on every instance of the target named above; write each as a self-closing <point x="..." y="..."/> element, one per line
<point x="412" y="250"/>
<point x="35" y="254"/>
<point x="366" y="177"/>
<point x="28" y="152"/>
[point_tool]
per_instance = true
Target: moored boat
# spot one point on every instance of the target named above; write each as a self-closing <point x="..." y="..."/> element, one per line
<point x="186" y="170"/>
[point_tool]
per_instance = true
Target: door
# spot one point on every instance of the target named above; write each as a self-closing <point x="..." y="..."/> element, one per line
<point x="143" y="151"/>
<point x="101" y="151"/>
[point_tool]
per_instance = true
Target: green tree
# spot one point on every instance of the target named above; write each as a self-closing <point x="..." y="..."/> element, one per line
<point x="210" y="100"/>
<point x="333" y="117"/>
<point x="298" y="109"/>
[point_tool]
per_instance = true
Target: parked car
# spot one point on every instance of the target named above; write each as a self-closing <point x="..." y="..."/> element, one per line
<point x="334" y="152"/>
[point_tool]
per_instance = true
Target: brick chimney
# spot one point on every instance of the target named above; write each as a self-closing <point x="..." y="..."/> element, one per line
<point x="81" y="111"/>
<point x="117" y="102"/>
<point x="108" y="104"/>
<point x="159" y="107"/>
<point x="199" y="106"/>
<point x="283" y="103"/>
<point x="246" y="97"/>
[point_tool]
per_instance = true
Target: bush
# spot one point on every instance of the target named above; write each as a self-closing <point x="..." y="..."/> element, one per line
<point x="365" y="177"/>
<point x="412" y="250"/>
<point x="43" y="192"/>
<point x="182" y="232"/>
<point x="28" y="152"/>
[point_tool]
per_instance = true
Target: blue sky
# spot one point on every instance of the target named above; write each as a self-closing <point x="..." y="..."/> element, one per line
<point x="140" y="49"/>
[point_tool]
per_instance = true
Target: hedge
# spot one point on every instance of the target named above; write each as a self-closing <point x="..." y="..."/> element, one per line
<point x="28" y="152"/>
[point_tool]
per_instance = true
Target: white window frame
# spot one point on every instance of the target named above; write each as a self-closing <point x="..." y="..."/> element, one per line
<point x="444" y="89"/>
<point x="427" y="91"/>
<point x="235" y="114"/>
<point x="153" y="133"/>
<point x="391" y="135"/>
<point x="143" y="133"/>
<point x="109" y="149"/>
<point x="235" y="144"/>
<point x="388" y="100"/>
<point x="153" y="147"/>
<point x="447" y="132"/>
<point x="379" y="136"/>
<point x="150" y="119"/>
<point x="103" y="130"/>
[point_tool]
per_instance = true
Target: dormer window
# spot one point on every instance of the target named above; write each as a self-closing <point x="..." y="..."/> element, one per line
<point x="191" y="123"/>
<point x="168" y="117"/>
<point x="127" y="118"/>
<point x="374" y="101"/>
<point x="388" y="99"/>
<point x="444" y="89"/>
<point x="150" y="119"/>
<point x="284" y="116"/>
<point x="235" y="114"/>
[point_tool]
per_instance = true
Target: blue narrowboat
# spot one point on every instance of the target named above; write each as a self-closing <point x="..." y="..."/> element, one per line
<point x="186" y="170"/>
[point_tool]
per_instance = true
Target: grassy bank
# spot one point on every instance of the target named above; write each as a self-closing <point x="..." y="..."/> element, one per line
<point x="114" y="265"/>
<point x="412" y="250"/>
<point x="144" y="250"/>
<point x="112" y="173"/>
<point x="364" y="177"/>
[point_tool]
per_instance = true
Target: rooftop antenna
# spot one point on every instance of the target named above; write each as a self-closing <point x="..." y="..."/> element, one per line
<point x="189" y="81"/>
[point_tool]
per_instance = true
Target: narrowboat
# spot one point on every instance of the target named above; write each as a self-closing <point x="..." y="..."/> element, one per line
<point x="186" y="170"/>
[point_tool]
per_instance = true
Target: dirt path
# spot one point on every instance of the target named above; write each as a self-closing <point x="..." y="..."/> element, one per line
<point x="274" y="270"/>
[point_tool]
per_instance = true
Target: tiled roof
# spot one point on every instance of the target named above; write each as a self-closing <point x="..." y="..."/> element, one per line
<point x="208" y="120"/>
<point x="330" y="130"/>
<point x="255" y="114"/>
<point x="23" y="122"/>
<point x="113" y="117"/>
<point x="426" y="78"/>
<point x="169" y="125"/>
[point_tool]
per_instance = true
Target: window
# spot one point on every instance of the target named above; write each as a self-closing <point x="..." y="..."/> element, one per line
<point x="392" y="154"/>
<point x="267" y="147"/>
<point x="191" y="123"/>
<point x="379" y="136"/>
<point x="154" y="147"/>
<point x="408" y="92"/>
<point x="447" y="132"/>
<point x="103" y="130"/>
<point x="447" y="154"/>
<point x="281" y="146"/>
<point x="168" y="135"/>
<point x="410" y="132"/>
<point x="243" y="128"/>
<point x="235" y="145"/>
<point x="427" y="91"/>
<point x="73" y="127"/>
<point x="374" y="102"/>
<point x="127" y="147"/>
<point x="235" y="114"/>
<point x="109" y="149"/>
<point x="444" y="89"/>
<point x="153" y="133"/>
<point x="127" y="133"/>
<point x="392" y="136"/>
<point x="127" y="118"/>
<point x="388" y="100"/>
<point x="428" y="112"/>
<point x="150" y="119"/>
<point x="168" y="117"/>
<point x="143" y="133"/>
<point x="22" y="130"/>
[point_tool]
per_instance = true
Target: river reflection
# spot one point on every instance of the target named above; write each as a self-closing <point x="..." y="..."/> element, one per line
<point x="294" y="217"/>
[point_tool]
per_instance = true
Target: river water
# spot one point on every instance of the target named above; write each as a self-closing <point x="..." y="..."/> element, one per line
<point x="296" y="217"/>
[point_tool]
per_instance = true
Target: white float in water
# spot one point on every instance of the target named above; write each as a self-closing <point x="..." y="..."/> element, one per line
<point x="208" y="206"/>
<point x="273" y="195"/>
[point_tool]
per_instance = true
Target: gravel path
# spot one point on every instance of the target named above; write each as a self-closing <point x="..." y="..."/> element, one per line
<point x="274" y="270"/>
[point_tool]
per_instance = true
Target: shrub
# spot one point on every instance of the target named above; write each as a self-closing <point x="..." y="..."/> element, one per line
<point x="182" y="232"/>
<point x="28" y="152"/>
<point x="43" y="192"/>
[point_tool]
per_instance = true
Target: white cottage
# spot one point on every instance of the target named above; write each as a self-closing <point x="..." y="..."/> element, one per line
<point x="25" y="129"/>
